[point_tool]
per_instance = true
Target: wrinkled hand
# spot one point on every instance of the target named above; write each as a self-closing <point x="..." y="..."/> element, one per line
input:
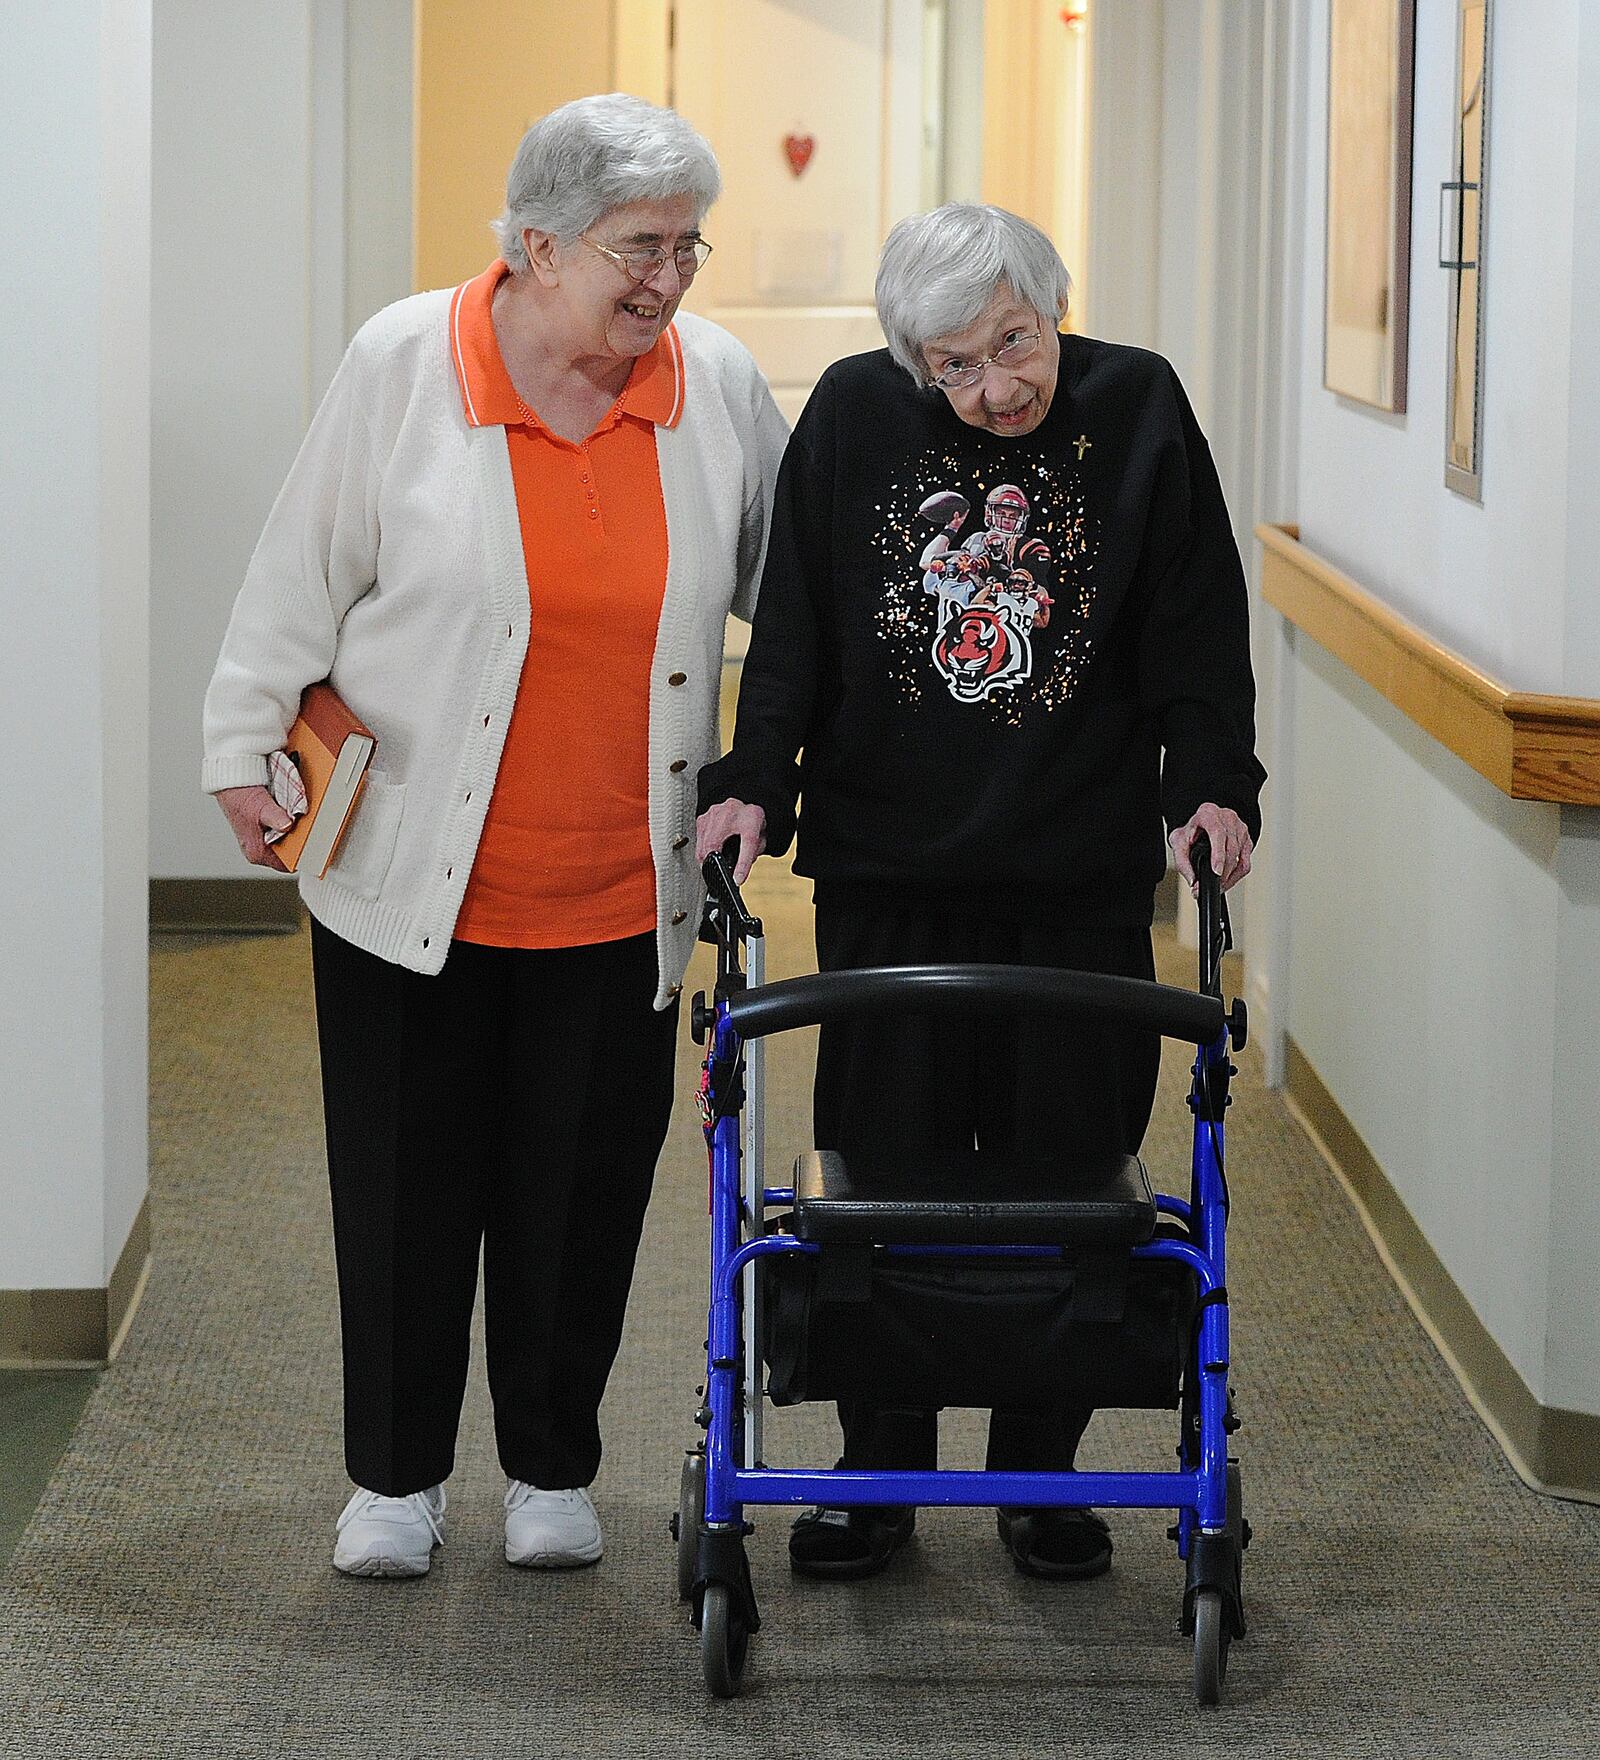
<point x="1230" y="845"/>
<point x="251" y="812"/>
<point x="727" y="819"/>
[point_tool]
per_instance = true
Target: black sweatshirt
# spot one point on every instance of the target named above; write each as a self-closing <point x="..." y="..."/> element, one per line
<point x="997" y="710"/>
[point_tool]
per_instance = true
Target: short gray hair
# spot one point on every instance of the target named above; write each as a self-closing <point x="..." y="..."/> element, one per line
<point x="596" y="154"/>
<point x="940" y="269"/>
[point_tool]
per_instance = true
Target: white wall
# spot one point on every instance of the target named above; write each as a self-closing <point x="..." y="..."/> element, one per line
<point x="1489" y="581"/>
<point x="378" y="145"/>
<point x="1441" y="937"/>
<point x="231" y="341"/>
<point x="1574" y="1339"/>
<point x="74" y="576"/>
<point x="1424" y="948"/>
<point x="282" y="168"/>
<point x="1582" y="644"/>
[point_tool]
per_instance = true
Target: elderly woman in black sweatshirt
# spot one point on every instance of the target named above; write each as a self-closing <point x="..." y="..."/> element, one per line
<point x="1004" y="626"/>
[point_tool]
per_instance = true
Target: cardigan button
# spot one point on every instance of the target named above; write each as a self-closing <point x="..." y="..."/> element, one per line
<point x="679" y="916"/>
<point x="680" y="842"/>
<point x="678" y="678"/>
<point x="674" y="989"/>
<point x="678" y="764"/>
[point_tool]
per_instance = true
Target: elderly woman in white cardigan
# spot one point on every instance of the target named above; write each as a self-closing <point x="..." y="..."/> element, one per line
<point x="511" y="539"/>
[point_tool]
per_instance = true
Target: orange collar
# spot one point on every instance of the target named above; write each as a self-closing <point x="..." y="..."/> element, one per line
<point x="654" y="392"/>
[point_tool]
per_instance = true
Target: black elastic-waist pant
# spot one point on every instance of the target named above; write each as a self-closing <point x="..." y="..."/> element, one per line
<point x="912" y="1087"/>
<point x="514" y="1103"/>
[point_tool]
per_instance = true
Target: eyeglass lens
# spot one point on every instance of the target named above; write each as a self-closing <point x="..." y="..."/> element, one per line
<point x="686" y="259"/>
<point x="1017" y="349"/>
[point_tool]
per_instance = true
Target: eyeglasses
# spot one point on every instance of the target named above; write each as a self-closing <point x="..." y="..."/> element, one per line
<point x="687" y="257"/>
<point x="962" y="375"/>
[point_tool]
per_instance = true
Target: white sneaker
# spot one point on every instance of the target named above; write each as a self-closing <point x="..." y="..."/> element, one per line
<point x="550" y="1530"/>
<point x="389" y="1536"/>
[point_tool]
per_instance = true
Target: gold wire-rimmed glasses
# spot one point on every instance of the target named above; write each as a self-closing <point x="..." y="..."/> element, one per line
<point x="962" y="375"/>
<point x="688" y="257"/>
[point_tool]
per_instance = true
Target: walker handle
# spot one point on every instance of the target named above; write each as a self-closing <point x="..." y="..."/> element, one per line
<point x="965" y="991"/>
<point x="724" y="896"/>
<point x="1216" y="932"/>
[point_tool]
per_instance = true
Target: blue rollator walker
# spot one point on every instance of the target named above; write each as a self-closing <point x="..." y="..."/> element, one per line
<point x="1111" y="1293"/>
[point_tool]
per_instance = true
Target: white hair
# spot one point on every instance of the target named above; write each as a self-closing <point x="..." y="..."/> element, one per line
<point x="939" y="271"/>
<point x="596" y="154"/>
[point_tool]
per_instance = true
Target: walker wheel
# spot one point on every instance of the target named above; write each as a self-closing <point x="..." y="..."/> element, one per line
<point x="687" y="1522"/>
<point x="1210" y="1646"/>
<point x="724" y="1642"/>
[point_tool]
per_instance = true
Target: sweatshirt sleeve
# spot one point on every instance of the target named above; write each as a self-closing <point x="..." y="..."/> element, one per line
<point x="1195" y="677"/>
<point x="778" y="685"/>
<point x="316" y="556"/>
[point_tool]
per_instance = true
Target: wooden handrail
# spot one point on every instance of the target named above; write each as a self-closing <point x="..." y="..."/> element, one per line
<point x="1534" y="747"/>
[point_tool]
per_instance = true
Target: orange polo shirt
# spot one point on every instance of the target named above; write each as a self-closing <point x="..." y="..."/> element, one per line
<point x="564" y="859"/>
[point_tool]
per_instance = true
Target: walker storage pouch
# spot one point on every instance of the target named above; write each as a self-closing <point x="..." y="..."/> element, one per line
<point x="853" y="1322"/>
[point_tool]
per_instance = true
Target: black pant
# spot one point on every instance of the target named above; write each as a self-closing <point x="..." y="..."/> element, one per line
<point x="1025" y="1089"/>
<point x="516" y="1103"/>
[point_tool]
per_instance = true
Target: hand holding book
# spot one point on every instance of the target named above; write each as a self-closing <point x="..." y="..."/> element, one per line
<point x="255" y="818"/>
<point x="316" y="782"/>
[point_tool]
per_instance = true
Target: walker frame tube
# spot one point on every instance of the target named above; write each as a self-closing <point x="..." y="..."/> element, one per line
<point x="754" y="1199"/>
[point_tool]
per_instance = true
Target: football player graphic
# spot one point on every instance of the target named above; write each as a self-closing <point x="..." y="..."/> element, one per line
<point x="990" y="592"/>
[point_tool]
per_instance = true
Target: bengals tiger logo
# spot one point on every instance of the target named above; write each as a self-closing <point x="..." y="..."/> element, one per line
<point x="981" y="650"/>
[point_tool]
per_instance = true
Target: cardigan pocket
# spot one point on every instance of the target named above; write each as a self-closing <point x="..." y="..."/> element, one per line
<point x="367" y="847"/>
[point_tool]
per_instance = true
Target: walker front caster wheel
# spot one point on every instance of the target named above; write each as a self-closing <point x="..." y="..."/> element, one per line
<point x="724" y="1642"/>
<point x="1214" y="1627"/>
<point x="1211" y="1638"/>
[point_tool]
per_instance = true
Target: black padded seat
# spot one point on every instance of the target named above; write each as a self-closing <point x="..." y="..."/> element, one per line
<point x="974" y="1201"/>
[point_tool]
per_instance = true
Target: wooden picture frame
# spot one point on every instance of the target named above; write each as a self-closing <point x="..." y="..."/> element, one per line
<point x="1463" y="205"/>
<point x="1367" y="270"/>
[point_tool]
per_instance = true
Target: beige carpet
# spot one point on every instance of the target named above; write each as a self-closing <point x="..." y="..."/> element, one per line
<point x="173" y="1596"/>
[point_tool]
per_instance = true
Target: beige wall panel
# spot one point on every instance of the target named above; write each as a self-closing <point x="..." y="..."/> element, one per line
<point x="486" y="69"/>
<point x="1018" y="103"/>
<point x="796" y="256"/>
<point x="795" y="343"/>
<point x="643" y="64"/>
<point x="1036" y="121"/>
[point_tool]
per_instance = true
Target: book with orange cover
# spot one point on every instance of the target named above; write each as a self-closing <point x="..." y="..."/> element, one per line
<point x="331" y="749"/>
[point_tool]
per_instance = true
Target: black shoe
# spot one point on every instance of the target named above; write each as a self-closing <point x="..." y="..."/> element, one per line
<point x="1061" y="1543"/>
<point x="841" y="1544"/>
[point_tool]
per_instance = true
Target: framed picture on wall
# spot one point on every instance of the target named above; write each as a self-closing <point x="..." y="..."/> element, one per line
<point x="1368" y="265"/>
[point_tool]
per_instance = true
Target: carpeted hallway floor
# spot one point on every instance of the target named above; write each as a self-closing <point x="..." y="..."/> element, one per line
<point x="173" y="1596"/>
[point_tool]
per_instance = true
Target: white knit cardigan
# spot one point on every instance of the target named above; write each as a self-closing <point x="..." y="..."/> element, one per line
<point x="392" y="564"/>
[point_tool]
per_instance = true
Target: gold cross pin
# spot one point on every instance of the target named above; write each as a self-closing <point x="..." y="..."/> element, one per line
<point x="1083" y="443"/>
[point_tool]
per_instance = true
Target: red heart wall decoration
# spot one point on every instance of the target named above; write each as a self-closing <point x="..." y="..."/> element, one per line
<point x="797" y="149"/>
